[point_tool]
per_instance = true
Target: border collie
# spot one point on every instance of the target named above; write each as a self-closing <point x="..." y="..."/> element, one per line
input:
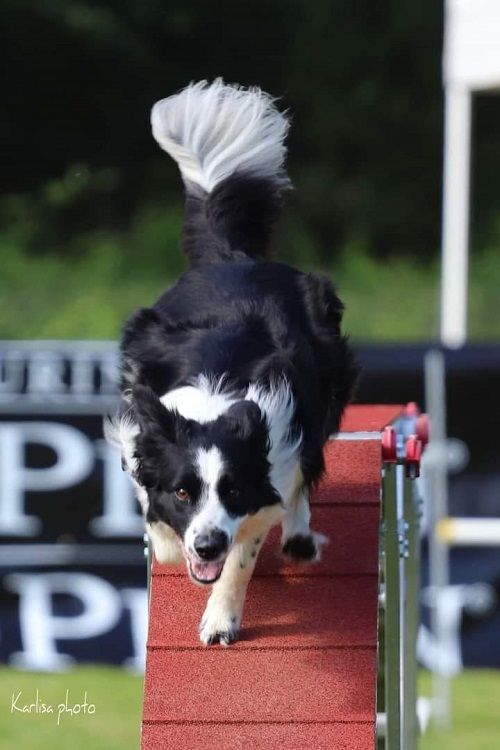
<point x="235" y="378"/>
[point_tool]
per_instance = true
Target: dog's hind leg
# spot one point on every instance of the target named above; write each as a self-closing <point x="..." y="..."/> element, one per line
<point x="297" y="539"/>
<point x="222" y="617"/>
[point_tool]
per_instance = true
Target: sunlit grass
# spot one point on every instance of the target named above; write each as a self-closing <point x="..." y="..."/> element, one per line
<point x="87" y="289"/>
<point x="117" y="696"/>
<point x="113" y="725"/>
<point x="476" y="714"/>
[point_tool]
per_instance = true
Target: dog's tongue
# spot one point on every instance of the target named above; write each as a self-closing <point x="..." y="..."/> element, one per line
<point x="206" y="571"/>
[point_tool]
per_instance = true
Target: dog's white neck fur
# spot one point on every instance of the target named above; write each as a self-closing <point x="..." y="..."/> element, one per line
<point x="205" y="400"/>
<point x="121" y="432"/>
<point x="213" y="130"/>
<point x="278" y="405"/>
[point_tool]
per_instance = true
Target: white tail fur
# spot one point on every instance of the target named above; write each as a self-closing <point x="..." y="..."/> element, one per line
<point x="213" y="130"/>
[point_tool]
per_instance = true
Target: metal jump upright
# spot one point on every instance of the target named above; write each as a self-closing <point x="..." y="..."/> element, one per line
<point x="402" y="447"/>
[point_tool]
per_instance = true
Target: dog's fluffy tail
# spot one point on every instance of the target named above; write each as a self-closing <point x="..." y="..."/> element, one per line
<point x="229" y="143"/>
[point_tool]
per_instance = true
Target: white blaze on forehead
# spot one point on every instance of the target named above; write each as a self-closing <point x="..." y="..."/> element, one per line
<point x="212" y="513"/>
<point x="210" y="466"/>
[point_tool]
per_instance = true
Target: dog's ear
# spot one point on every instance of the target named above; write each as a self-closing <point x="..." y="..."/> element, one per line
<point x="156" y="420"/>
<point x="245" y="420"/>
<point x="151" y="415"/>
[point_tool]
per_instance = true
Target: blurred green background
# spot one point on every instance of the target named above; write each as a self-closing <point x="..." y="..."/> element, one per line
<point x="91" y="208"/>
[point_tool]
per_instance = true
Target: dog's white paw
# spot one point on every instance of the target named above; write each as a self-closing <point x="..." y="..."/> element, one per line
<point x="220" y="623"/>
<point x="305" y="547"/>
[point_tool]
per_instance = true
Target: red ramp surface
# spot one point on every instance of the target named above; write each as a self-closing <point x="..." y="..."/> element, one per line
<point x="303" y="674"/>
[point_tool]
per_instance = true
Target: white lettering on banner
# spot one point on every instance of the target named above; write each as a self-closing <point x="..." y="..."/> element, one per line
<point x="11" y="373"/>
<point x="108" y="369"/>
<point x="62" y="374"/>
<point x="41" y="628"/>
<point x="119" y="516"/>
<point x="82" y="372"/>
<point x="74" y="461"/>
<point x="46" y="374"/>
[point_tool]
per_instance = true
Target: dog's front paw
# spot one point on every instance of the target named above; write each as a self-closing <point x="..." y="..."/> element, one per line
<point x="305" y="547"/>
<point x="220" y="623"/>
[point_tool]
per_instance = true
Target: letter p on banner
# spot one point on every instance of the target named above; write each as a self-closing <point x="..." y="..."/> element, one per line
<point x="41" y="628"/>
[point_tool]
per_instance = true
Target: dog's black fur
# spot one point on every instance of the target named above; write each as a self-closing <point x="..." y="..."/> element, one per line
<point x="241" y="316"/>
<point x="240" y="320"/>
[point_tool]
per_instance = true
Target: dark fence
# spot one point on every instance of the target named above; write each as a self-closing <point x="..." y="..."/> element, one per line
<point x="73" y="573"/>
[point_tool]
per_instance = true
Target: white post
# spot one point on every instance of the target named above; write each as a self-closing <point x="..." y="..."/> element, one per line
<point x="455" y="216"/>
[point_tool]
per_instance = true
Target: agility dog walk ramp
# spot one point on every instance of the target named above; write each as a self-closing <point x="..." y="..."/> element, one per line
<point x="315" y="640"/>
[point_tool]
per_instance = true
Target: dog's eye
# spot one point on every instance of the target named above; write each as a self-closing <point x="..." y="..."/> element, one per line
<point x="233" y="492"/>
<point x="182" y="494"/>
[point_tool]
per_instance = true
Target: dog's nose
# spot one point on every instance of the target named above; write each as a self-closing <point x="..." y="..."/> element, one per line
<point x="211" y="545"/>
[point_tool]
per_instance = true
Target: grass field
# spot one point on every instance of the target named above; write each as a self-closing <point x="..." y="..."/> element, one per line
<point x="117" y="697"/>
<point x="114" y="725"/>
<point x="88" y="290"/>
<point x="476" y="714"/>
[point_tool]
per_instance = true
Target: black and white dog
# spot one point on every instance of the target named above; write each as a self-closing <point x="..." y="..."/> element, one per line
<point x="235" y="378"/>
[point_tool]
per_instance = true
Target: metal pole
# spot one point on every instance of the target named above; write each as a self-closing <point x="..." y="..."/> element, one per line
<point x="148" y="554"/>
<point x="411" y="614"/>
<point x="439" y="575"/>
<point x="455" y="216"/>
<point x="392" y="620"/>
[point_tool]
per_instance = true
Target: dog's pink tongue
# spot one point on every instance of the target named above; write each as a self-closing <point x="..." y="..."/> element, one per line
<point x="206" y="571"/>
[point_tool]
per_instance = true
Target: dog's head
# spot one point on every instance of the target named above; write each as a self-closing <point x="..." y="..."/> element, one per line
<point x="203" y="479"/>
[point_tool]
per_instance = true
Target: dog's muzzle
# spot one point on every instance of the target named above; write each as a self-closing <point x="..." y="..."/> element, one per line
<point x="205" y="565"/>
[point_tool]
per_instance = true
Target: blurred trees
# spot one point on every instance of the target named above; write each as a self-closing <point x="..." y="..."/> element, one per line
<point x="362" y="80"/>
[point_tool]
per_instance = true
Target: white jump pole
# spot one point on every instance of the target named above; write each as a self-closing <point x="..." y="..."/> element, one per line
<point x="471" y="63"/>
<point x="455" y="237"/>
<point x="470" y="532"/>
